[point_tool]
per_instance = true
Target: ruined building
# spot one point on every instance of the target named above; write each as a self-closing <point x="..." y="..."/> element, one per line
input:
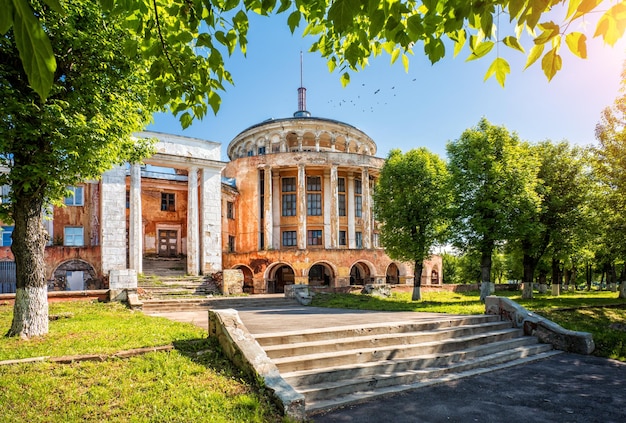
<point x="293" y="206"/>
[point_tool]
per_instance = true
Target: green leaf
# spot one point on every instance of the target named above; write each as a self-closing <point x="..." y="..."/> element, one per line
<point x="459" y="42"/>
<point x="214" y="101"/>
<point x="186" y="119"/>
<point x="34" y="47"/>
<point x="55" y="5"/>
<point x="535" y="53"/>
<point x="612" y="24"/>
<point x="572" y="7"/>
<point x="577" y="43"/>
<point x="549" y="31"/>
<point x="515" y="8"/>
<point x="345" y="79"/>
<point x="551" y="63"/>
<point x="480" y="51"/>
<point x="6" y="17"/>
<point x="394" y="55"/>
<point x="284" y="5"/>
<point x="377" y="21"/>
<point x="585" y="7"/>
<point x="293" y="20"/>
<point x="405" y="62"/>
<point x="500" y="68"/>
<point x="513" y="43"/>
<point x="342" y="14"/>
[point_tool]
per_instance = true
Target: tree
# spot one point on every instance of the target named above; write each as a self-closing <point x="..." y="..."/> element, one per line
<point x="611" y="169"/>
<point x="410" y="201"/>
<point x="489" y="180"/>
<point x="183" y="36"/>
<point x="83" y="128"/>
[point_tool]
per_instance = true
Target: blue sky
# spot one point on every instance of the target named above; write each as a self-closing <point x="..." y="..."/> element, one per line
<point x="428" y="106"/>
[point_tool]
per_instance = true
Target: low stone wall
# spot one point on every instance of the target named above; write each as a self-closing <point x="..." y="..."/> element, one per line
<point x="546" y="330"/>
<point x="241" y="347"/>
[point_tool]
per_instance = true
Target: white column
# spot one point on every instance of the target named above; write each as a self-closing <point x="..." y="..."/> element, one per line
<point x="276" y="209"/>
<point x="135" y="227"/>
<point x="301" y="207"/>
<point x="210" y="220"/>
<point x="367" y="209"/>
<point x="268" y="225"/>
<point x="334" y="208"/>
<point x="193" y="236"/>
<point x="351" y="220"/>
<point x="327" y="209"/>
<point x="113" y="219"/>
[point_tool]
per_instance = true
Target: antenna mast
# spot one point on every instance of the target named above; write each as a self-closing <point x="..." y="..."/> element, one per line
<point x="302" y="112"/>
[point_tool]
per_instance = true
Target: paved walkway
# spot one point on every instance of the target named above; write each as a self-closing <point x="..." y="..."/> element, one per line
<point x="563" y="388"/>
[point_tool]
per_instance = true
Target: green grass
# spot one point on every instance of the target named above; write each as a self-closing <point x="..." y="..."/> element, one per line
<point x="193" y="382"/>
<point x="592" y="312"/>
<point x="94" y="328"/>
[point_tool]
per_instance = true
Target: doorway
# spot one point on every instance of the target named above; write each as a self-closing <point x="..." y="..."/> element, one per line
<point x="168" y="242"/>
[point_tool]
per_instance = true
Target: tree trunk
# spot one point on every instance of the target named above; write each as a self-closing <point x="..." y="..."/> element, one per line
<point x="613" y="282"/>
<point x="622" y="283"/>
<point x="556" y="277"/>
<point x="486" y="286"/>
<point x="30" y="312"/>
<point x="589" y="275"/>
<point x="529" y="264"/>
<point x="417" y="281"/>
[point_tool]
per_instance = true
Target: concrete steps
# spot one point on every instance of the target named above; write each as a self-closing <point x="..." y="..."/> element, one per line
<point x="340" y="365"/>
<point x="194" y="304"/>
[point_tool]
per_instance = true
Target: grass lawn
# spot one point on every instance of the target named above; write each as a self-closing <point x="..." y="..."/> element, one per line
<point x="594" y="311"/>
<point x="193" y="382"/>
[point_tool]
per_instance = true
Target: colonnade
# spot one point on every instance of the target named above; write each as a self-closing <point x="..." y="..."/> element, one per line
<point x="271" y="227"/>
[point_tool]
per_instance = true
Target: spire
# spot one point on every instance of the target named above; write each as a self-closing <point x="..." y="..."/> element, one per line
<point x="302" y="112"/>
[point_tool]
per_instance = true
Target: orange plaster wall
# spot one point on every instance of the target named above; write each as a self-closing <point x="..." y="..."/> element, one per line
<point x="152" y="215"/>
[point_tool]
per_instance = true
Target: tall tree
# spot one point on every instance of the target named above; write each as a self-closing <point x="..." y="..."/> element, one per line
<point x="83" y="128"/>
<point x="611" y="169"/>
<point x="410" y="200"/>
<point x="489" y="180"/>
<point x="183" y="35"/>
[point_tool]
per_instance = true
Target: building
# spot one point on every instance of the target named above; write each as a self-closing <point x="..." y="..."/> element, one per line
<point x="293" y="206"/>
<point x="298" y="207"/>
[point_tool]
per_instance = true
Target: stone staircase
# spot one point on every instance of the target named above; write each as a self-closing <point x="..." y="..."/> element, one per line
<point x="341" y="365"/>
<point x="167" y="305"/>
<point x="153" y="286"/>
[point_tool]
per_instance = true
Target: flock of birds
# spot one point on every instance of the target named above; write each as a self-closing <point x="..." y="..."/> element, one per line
<point x="357" y="103"/>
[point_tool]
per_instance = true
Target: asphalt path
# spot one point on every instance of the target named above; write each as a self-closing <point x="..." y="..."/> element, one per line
<point x="563" y="388"/>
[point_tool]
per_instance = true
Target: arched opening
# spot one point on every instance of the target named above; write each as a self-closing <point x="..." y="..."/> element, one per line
<point x="360" y="274"/>
<point x="248" y="279"/>
<point x="321" y="275"/>
<point x="74" y="275"/>
<point x="282" y="275"/>
<point x="393" y="274"/>
<point x="434" y="277"/>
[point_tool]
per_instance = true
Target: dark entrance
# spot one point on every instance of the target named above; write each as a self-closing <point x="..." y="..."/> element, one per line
<point x="283" y="276"/>
<point x="168" y="241"/>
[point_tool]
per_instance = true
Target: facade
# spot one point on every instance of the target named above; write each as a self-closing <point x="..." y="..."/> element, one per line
<point x="293" y="206"/>
<point x="298" y="208"/>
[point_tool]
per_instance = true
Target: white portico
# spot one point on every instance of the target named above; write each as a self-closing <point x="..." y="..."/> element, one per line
<point x="195" y="160"/>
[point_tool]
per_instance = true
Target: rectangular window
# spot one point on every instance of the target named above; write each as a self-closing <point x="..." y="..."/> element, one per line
<point x="168" y="201"/>
<point x="230" y="210"/>
<point x="231" y="244"/>
<point x="341" y="184"/>
<point x="358" y="206"/>
<point x="313" y="183"/>
<point x="128" y="199"/>
<point x="75" y="198"/>
<point x="358" y="188"/>
<point x="376" y="240"/>
<point x="358" y="237"/>
<point x="289" y="204"/>
<point x="314" y="204"/>
<point x="342" y="238"/>
<point x="290" y="239"/>
<point x="314" y="237"/>
<point x="7" y="240"/>
<point x="261" y="151"/>
<point x="250" y="153"/>
<point x="73" y="236"/>
<point x="342" y="204"/>
<point x="5" y="192"/>
<point x="289" y="184"/>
